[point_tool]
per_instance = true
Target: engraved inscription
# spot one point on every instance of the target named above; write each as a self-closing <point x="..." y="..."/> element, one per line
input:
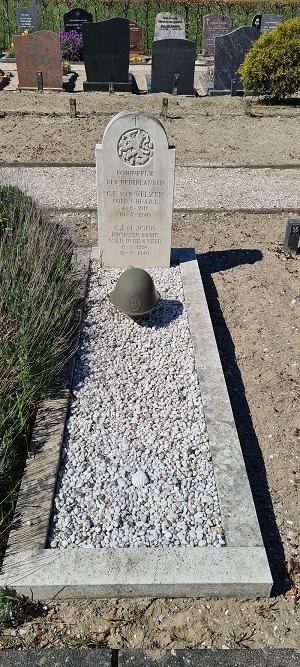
<point x="135" y="147"/>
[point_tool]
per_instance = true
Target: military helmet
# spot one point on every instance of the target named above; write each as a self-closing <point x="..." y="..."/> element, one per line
<point x="135" y="293"/>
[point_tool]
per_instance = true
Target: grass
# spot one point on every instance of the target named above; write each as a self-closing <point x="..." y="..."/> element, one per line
<point x="38" y="295"/>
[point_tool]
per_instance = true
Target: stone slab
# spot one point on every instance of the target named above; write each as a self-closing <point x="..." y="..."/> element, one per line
<point x="135" y="182"/>
<point x="74" y="19"/>
<point x="169" y="26"/>
<point x="213" y="25"/>
<point x="173" y="66"/>
<point x="266" y="22"/>
<point x="38" y="52"/>
<point x="230" y="51"/>
<point x="110" y="86"/>
<point x="27" y="18"/>
<point x="240" y="569"/>
<point x="98" y="657"/>
<point x="106" y="51"/>
<point x="209" y="658"/>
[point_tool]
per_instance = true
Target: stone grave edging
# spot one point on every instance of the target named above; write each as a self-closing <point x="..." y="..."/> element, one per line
<point x="239" y="569"/>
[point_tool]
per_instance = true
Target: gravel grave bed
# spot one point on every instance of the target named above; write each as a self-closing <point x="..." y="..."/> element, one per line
<point x="136" y="467"/>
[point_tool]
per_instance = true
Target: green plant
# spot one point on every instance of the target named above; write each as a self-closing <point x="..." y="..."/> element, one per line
<point x="272" y="66"/>
<point x="37" y="298"/>
<point x="11" y="609"/>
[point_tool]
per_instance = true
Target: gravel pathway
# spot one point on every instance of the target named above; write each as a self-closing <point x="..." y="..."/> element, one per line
<point x="202" y="188"/>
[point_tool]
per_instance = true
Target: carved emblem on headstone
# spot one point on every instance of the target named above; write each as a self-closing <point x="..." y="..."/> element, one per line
<point x="135" y="147"/>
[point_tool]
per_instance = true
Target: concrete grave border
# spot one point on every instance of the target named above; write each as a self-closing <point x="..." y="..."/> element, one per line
<point x="240" y="569"/>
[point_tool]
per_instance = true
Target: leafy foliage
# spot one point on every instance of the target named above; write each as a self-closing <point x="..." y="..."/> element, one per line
<point x="272" y="66"/>
<point x="37" y="298"/>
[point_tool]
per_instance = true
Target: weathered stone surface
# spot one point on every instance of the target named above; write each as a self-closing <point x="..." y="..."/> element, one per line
<point x="172" y="57"/>
<point x="135" y="180"/>
<point x="169" y="26"/>
<point x="38" y="52"/>
<point x="74" y="19"/>
<point x="230" y="51"/>
<point x="106" y="54"/>
<point x="213" y="25"/>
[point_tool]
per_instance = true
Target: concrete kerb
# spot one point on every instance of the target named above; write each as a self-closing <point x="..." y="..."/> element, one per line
<point x="239" y="569"/>
<point x="100" y="657"/>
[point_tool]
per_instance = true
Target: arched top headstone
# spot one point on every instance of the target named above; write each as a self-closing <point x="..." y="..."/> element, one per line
<point x="74" y="19"/>
<point x="135" y="181"/>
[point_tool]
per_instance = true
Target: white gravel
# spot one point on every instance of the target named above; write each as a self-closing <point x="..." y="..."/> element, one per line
<point x="203" y="188"/>
<point x="136" y="467"/>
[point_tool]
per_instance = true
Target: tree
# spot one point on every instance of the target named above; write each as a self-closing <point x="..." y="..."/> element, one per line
<point x="272" y="65"/>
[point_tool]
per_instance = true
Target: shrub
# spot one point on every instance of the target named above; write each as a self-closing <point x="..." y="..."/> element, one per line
<point x="272" y="66"/>
<point x="71" y="45"/>
<point x="37" y="298"/>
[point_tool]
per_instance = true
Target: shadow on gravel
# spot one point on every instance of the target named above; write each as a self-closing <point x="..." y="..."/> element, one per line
<point x="212" y="262"/>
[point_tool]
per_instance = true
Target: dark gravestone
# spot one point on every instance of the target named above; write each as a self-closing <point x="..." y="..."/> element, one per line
<point x="173" y="66"/>
<point x="213" y="25"/>
<point x="27" y="17"/>
<point x="74" y="19"/>
<point x="106" y="55"/>
<point x="266" y="22"/>
<point x="230" y="51"/>
<point x="38" y="52"/>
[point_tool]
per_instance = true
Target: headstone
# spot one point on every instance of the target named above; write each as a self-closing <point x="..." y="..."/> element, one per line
<point x="38" y="52"/>
<point x="173" y="65"/>
<point x="135" y="181"/>
<point x="213" y="25"/>
<point x="106" y="55"/>
<point x="266" y="22"/>
<point x="291" y="237"/>
<point x="230" y="51"/>
<point x="27" y="17"/>
<point x="74" y="19"/>
<point x="135" y="36"/>
<point x="169" y="26"/>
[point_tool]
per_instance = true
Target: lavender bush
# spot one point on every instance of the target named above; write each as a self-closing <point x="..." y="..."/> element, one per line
<point x="71" y="45"/>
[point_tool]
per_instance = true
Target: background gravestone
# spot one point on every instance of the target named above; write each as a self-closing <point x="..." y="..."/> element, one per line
<point x="169" y="26"/>
<point x="135" y="182"/>
<point x="135" y="36"/>
<point x="230" y="51"/>
<point x="266" y="22"/>
<point x="27" y="17"/>
<point x="172" y="57"/>
<point x="106" y="55"/>
<point x="213" y="25"/>
<point x="74" y="19"/>
<point x="38" y="52"/>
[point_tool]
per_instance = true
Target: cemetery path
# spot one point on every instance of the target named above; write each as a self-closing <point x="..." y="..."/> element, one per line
<point x="253" y="292"/>
<point x="37" y="128"/>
